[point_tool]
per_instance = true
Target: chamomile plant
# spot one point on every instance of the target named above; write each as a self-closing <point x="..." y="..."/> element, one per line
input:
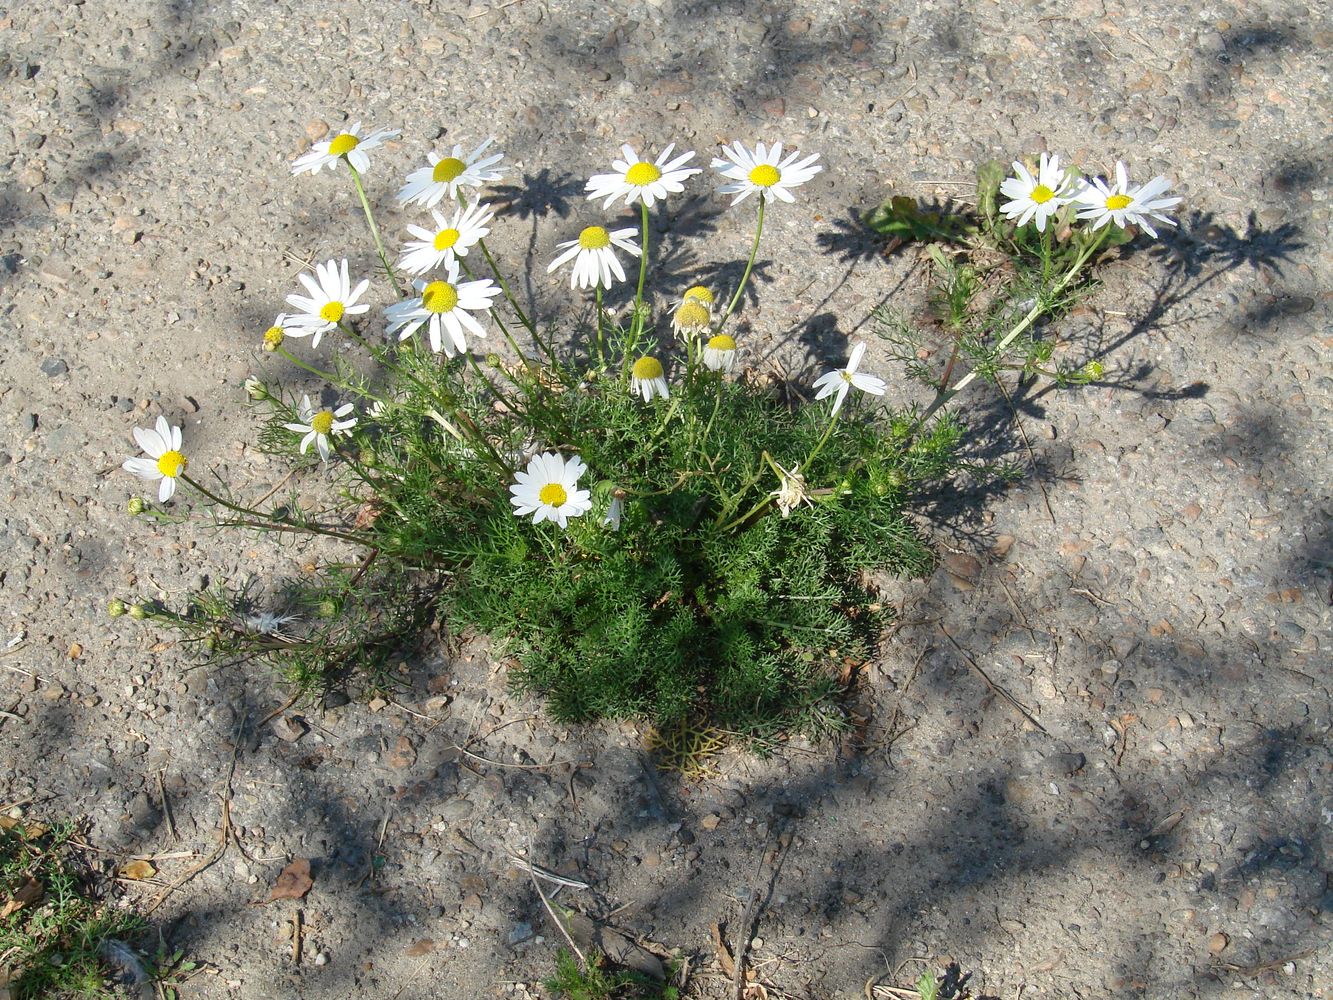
<point x="644" y="525"/>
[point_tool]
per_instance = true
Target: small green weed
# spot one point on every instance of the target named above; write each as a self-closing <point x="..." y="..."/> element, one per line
<point x="54" y="930"/>
<point x="598" y="982"/>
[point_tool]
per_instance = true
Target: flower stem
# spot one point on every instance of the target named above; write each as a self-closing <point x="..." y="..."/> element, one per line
<point x="749" y="266"/>
<point x="276" y="524"/>
<point x="833" y="422"/>
<point x="643" y="270"/>
<point x="328" y="377"/>
<point x="374" y="230"/>
<point x="601" y="347"/>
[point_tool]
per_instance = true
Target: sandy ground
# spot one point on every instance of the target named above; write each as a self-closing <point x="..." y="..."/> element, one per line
<point x="1155" y="596"/>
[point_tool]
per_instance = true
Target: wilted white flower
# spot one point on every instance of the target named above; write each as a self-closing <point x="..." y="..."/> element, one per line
<point x="647" y="377"/>
<point x="791" y="491"/>
<point x="594" y="257"/>
<point x="720" y="353"/>
<point x="836" y="383"/>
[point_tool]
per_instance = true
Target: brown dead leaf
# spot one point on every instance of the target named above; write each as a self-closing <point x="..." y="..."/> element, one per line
<point x="294" y="881"/>
<point x="29" y="830"/>
<point x="29" y="893"/>
<point x="137" y="870"/>
<point x="418" y="948"/>
<point x="724" y="958"/>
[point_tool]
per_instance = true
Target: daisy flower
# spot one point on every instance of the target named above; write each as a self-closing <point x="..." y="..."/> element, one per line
<point x="836" y="383"/>
<point x="447" y="240"/>
<point x="549" y="491"/>
<point x="694" y="314"/>
<point x="330" y="300"/>
<point x="445" y="307"/>
<point x="1125" y="205"/>
<point x="763" y="170"/>
<point x="164" y="461"/>
<point x="320" y="425"/>
<point x="1037" y="197"/>
<point x="594" y="257"/>
<point x="647" y="377"/>
<point x="444" y="176"/>
<point x="642" y="180"/>
<point x="350" y="146"/>
<point x="720" y="353"/>
<point x="791" y="492"/>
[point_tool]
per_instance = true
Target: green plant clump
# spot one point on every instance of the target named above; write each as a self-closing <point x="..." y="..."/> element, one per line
<point x="645" y="528"/>
<point x="596" y="982"/>
<point x="54" y="932"/>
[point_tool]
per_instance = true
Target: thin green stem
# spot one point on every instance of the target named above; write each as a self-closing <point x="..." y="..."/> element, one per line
<point x="374" y="230"/>
<point x="643" y="270"/>
<point x="833" y="422"/>
<point x="749" y="266"/>
<point x="601" y="346"/>
<point x="329" y="377"/>
<point x="276" y="524"/>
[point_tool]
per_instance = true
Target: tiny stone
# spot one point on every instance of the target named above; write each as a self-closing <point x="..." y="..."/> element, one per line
<point x="322" y="958"/>
<point x="53" y="367"/>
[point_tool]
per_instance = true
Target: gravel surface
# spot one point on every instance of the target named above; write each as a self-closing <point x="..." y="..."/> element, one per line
<point x="1096" y="759"/>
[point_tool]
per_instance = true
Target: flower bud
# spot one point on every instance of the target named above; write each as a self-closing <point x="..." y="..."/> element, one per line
<point x="1093" y="369"/>
<point x="136" y="506"/>
<point x="328" y="608"/>
<point x="138" y="612"/>
<point x="273" y="337"/>
<point x="116" y="608"/>
<point x="256" y="389"/>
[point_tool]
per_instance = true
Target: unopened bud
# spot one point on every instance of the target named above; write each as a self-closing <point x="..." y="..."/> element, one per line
<point x="328" y="608"/>
<point x="256" y="389"/>
<point x="1093" y="369"/>
<point x="116" y="608"/>
<point x="138" y="612"/>
<point x="136" y="506"/>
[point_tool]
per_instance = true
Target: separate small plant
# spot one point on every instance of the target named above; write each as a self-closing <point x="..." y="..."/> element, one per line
<point x="644" y="528"/>
<point x="58" y="939"/>
<point x="597" y="981"/>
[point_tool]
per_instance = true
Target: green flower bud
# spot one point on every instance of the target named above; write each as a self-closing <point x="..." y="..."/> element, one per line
<point x="138" y="612"/>
<point x="256" y="389"/>
<point x="1093" y="369"/>
<point x="328" y="608"/>
<point x="116" y="608"/>
<point x="136" y="506"/>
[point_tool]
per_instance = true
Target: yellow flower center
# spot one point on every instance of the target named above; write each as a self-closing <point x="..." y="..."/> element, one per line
<point x="691" y="315"/>
<point x="553" y="495"/>
<point x="642" y="174"/>
<point x="1118" y="201"/>
<point x="846" y="376"/>
<point x="646" y="368"/>
<point x="439" y="297"/>
<point x="446" y="238"/>
<point x="722" y="343"/>
<point x="343" y="144"/>
<point x="765" y="175"/>
<point x="698" y="292"/>
<point x="594" y="238"/>
<point x="447" y="169"/>
<point x="1041" y="194"/>
<point x="322" y="422"/>
<point x="273" y="338"/>
<point x="332" y="312"/>
<point x="171" y="464"/>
